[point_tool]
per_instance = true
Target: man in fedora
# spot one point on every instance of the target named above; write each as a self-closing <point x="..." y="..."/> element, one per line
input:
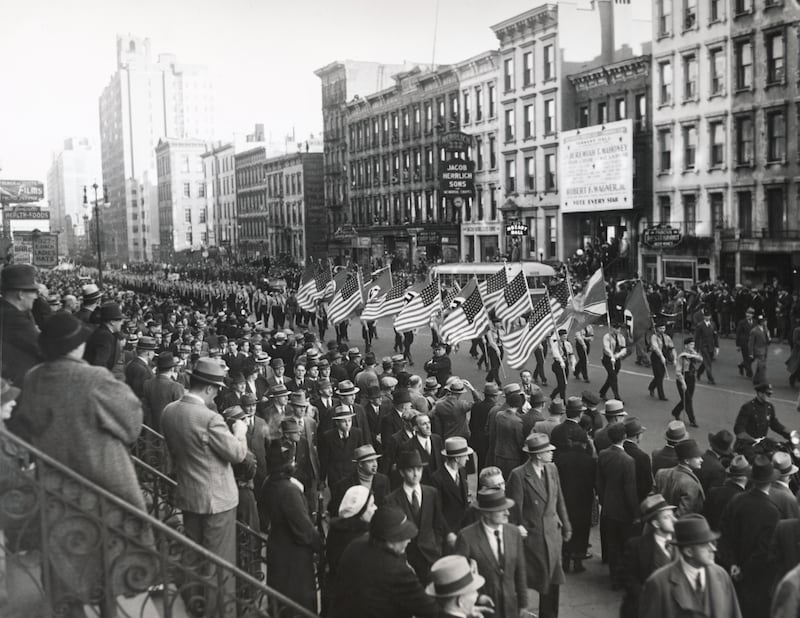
<point x="372" y="409"/>
<point x="691" y="585"/>
<point x="496" y="547"/>
<point x="337" y="446"/>
<point x="614" y="413"/>
<point x="712" y="470"/>
<point x="665" y="457"/>
<point x="91" y="295"/>
<point x="747" y="526"/>
<point x="451" y="481"/>
<point x="346" y="393"/>
<point x="274" y="409"/>
<point x="161" y="390"/>
<point x="18" y="331"/>
<point x="366" y="474"/>
<point x="293" y="448"/>
<point x="535" y="488"/>
<point x="507" y="434"/>
<point x="679" y="485"/>
<point x="555" y="417"/>
<point x="780" y="493"/>
<point x="278" y="372"/>
<point x="397" y="442"/>
<point x="738" y="474"/>
<point x="139" y="369"/>
<point x="428" y="445"/>
<point x="644" y="467"/>
<point x="450" y="415"/>
<point x="423" y="506"/>
<point x="647" y="553"/>
<point x="232" y="395"/>
<point x="305" y="414"/>
<point x="455" y="587"/>
<point x="374" y="577"/>
<point x="103" y="346"/>
<point x="573" y="410"/>
<point x="203" y="452"/>
<point x="479" y="414"/>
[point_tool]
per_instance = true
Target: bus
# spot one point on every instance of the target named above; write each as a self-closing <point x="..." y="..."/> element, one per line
<point x="536" y="273"/>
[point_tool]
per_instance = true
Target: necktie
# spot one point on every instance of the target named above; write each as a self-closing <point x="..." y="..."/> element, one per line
<point x="428" y="446"/>
<point x="698" y="584"/>
<point x="499" y="546"/>
<point x="415" y="504"/>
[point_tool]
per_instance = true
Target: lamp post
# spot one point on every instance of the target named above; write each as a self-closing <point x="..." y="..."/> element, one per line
<point x="95" y="187"/>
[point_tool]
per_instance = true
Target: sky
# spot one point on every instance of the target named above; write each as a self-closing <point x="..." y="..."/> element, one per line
<point x="58" y="55"/>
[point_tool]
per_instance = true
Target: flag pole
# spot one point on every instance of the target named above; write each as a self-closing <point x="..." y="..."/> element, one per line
<point x="608" y="307"/>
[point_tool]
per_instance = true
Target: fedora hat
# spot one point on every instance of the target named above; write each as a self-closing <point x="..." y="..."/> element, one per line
<point x="365" y="453"/>
<point x="209" y="371"/>
<point x="492" y="500"/>
<point x="401" y="395"/>
<point x="590" y="399"/>
<point x="276" y="363"/>
<point x="491" y="389"/>
<point x="456" y="386"/>
<point x="353" y="352"/>
<point x="782" y="462"/>
<point x="431" y="384"/>
<point x="574" y="407"/>
<point x="652" y="505"/>
<point x="537" y="443"/>
<point x="110" y="312"/>
<point x="341" y="412"/>
<point x="237" y="378"/>
<point x="763" y="472"/>
<point x="556" y="407"/>
<point x="693" y="529"/>
<point x="62" y="333"/>
<point x="166" y="360"/>
<point x="346" y="387"/>
<point x="389" y="523"/>
<point x="147" y="344"/>
<point x="614" y="407"/>
<point x="290" y="425"/>
<point x="722" y="441"/>
<point x="676" y="432"/>
<point x="410" y="459"/>
<point x="633" y="427"/>
<point x="90" y="293"/>
<point x="687" y="449"/>
<point x="18" y="277"/>
<point x="398" y="359"/>
<point x="372" y="392"/>
<point x="298" y="399"/>
<point x="278" y="390"/>
<point x="452" y="576"/>
<point x="456" y="447"/>
<point x="739" y="466"/>
<point x="234" y="413"/>
<point x="248" y="399"/>
<point x="537" y="397"/>
<point x="262" y="358"/>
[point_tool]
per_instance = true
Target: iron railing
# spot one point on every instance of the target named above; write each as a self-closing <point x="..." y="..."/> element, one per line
<point x="99" y="552"/>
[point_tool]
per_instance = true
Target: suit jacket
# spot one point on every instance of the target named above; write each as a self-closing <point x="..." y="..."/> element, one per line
<point x="747" y="526"/>
<point x="380" y="489"/>
<point x="359" y="420"/>
<point x="455" y="496"/>
<point x="426" y="548"/>
<point x="325" y="414"/>
<point x="784" y="550"/>
<point x="391" y="423"/>
<point x="664" y="458"/>
<point x="642" y="557"/>
<point x="681" y="488"/>
<point x="396" y="442"/>
<point x="449" y="417"/>
<point x="705" y="337"/>
<point x="506" y="436"/>
<point x="102" y="348"/>
<point x="136" y="374"/>
<point x="616" y="485"/>
<point x="336" y="455"/>
<point x="716" y="501"/>
<point x="435" y="460"/>
<point x="506" y="582"/>
<point x="644" y="469"/>
<point x="667" y="594"/>
<point x="157" y="392"/>
<point x="540" y="507"/>
<point x="758" y="342"/>
<point x="743" y="329"/>
<point x="785" y="500"/>
<point x="203" y="450"/>
<point x="478" y="438"/>
<point x="19" y="342"/>
<point x="712" y="472"/>
<point x="373" y="416"/>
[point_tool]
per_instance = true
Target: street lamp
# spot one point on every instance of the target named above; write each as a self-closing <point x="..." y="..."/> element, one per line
<point x="95" y="187"/>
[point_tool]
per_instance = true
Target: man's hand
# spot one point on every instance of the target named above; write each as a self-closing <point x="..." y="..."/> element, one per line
<point x="566" y="534"/>
<point x="523" y="531"/>
<point x="716" y="352"/>
<point x="450" y="539"/>
<point x="736" y="573"/>
<point x="239" y="430"/>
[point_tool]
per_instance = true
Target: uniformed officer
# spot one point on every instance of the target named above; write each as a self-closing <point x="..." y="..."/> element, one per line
<point x="757" y="417"/>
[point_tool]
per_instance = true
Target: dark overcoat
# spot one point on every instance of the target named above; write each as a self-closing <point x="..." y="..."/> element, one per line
<point x="667" y="594"/>
<point x="455" y="496"/>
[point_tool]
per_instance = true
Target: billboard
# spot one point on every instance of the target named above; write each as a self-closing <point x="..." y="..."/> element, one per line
<point x="37" y="248"/>
<point x="596" y="167"/>
<point x="21" y="191"/>
<point x="457" y="178"/>
<point x="26" y="213"/>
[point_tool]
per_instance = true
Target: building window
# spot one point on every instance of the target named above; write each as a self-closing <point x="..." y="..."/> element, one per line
<point x="528" y="110"/>
<point x="428" y="118"/>
<point x="549" y="116"/>
<point x="775" y="57"/>
<point x="530" y="174"/>
<point x="717" y="208"/>
<point x="492" y="101"/>
<point x="201" y="189"/>
<point x="492" y="203"/>
<point x="549" y="62"/>
<point x="527" y="68"/>
<point x="492" y="153"/>
<point x="665" y="82"/>
<point x="716" y="138"/>
<point x="745" y="207"/>
<point x="479" y="202"/>
<point x="551" y="223"/>
<point x="189" y="238"/>
<point x="689" y="146"/>
<point x="204" y="238"/>
<point x="744" y="140"/>
<point x="550" y="172"/>
<point x="583" y="116"/>
<point x="743" y="6"/>
<point x="466" y="107"/>
<point x="511" y="181"/>
<point x="478" y="104"/>
<point x="664" y="209"/>
<point x="187" y="189"/>
<point x="689" y="14"/>
<point x="508" y="74"/>
<point x="602" y="113"/>
<point x="689" y="213"/>
<point x="744" y="64"/>
<point x="641" y="110"/>
<point x="202" y="215"/>
<point x="665" y="150"/>
<point x="689" y="77"/>
<point x="715" y="10"/>
<point x="664" y="17"/>
<point x="776" y="212"/>
<point x="479" y="152"/>
<point x="620" y="109"/>
<point x="509" y="126"/>
<point x="184" y="164"/>
<point x="716" y="59"/>
<point x="776" y="136"/>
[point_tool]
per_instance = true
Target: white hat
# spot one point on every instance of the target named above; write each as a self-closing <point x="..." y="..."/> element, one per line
<point x="354" y="502"/>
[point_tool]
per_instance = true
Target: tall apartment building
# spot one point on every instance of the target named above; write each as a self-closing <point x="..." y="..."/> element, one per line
<point x="482" y="228"/>
<point x="539" y="49"/>
<point x="146" y="100"/>
<point x="342" y="82"/>
<point x="75" y="166"/>
<point x="182" y="217"/>
<point x="394" y="155"/>
<point x="220" y="174"/>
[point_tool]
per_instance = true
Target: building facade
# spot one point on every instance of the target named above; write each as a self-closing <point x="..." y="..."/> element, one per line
<point x="183" y="223"/>
<point x="220" y="176"/>
<point x="145" y="100"/>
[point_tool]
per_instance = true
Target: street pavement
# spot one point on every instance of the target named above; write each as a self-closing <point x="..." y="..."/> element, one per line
<point x="716" y="407"/>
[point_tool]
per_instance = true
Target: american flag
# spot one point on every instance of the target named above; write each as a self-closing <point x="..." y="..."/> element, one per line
<point x="560" y="301"/>
<point x="419" y="308"/>
<point x="468" y="319"/>
<point x="519" y="344"/>
<point x="395" y="299"/>
<point x="346" y="299"/>
<point x="313" y="287"/>
<point x="515" y="301"/>
<point x="492" y="288"/>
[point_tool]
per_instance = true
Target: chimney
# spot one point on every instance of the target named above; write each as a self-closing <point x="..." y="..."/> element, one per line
<point x="605" y="9"/>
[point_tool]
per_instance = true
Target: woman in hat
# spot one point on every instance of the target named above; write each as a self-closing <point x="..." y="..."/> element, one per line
<point x="354" y="514"/>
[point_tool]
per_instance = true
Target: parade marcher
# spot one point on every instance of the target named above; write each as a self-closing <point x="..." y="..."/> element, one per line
<point x="583" y="346"/>
<point x="644" y="467"/>
<point x="665" y="457"/>
<point x="662" y="354"/>
<point x="161" y="390"/>
<point x="615" y="413"/>
<point x="747" y="526"/>
<point x="18" y="332"/>
<point x="535" y="489"/>
<point x="679" y="485"/>
<point x="743" y="329"/>
<point x="647" y="553"/>
<point x="758" y="345"/>
<point x="102" y="348"/>
<point x="451" y="481"/>
<point x="563" y="360"/>
<point x="337" y="446"/>
<point x="365" y="475"/>
<point x="614" y="350"/>
<point x="780" y="493"/>
<point x="693" y="584"/>
<point x="738" y="474"/>
<point x="757" y="417"/>
<point x="139" y="370"/>
<point x="539" y="354"/>
<point x="496" y="547"/>
<point x="687" y="364"/>
<point x="712" y="470"/>
<point x="707" y="344"/>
